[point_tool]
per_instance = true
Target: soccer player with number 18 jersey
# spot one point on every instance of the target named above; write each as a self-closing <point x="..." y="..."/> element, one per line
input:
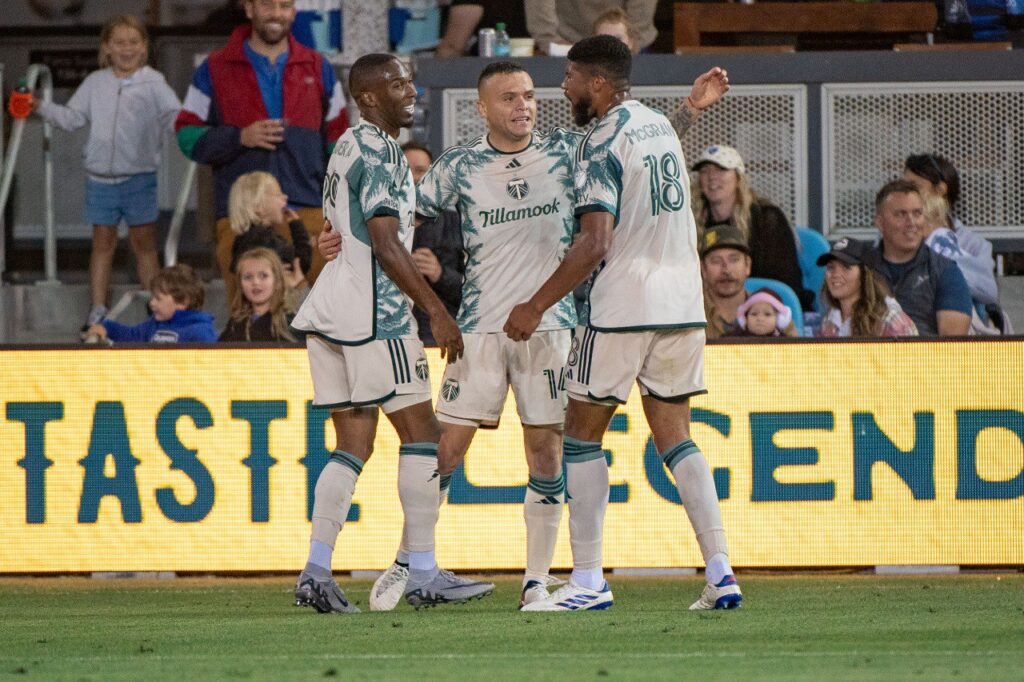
<point x="645" y="322"/>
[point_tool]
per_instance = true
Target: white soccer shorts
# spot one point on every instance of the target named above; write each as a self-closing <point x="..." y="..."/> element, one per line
<point x="602" y="366"/>
<point x="392" y="373"/>
<point x="475" y="387"/>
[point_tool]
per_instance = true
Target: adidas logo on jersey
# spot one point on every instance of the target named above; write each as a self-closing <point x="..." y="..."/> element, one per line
<point x="514" y="164"/>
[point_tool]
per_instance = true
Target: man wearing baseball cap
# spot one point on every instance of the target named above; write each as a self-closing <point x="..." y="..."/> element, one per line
<point x="725" y="266"/>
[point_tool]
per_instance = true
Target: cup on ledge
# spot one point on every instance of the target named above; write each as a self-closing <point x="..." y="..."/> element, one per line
<point x="520" y="47"/>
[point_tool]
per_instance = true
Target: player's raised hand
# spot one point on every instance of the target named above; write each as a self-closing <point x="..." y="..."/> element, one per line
<point x="447" y="335"/>
<point x="709" y="88"/>
<point x="522" y="322"/>
<point x="329" y="242"/>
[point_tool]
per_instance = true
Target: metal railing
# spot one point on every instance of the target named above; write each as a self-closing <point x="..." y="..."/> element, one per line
<point x="35" y="73"/>
<point x="178" y="219"/>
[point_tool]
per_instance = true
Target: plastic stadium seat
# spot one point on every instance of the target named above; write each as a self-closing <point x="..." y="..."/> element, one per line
<point x="784" y="291"/>
<point x="812" y="245"/>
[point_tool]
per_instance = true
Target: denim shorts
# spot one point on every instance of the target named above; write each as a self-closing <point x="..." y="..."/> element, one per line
<point x="133" y="199"/>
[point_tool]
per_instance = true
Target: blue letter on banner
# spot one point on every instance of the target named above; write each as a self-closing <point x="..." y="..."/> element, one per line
<point x="35" y="463"/>
<point x="259" y="414"/>
<point x="185" y="460"/>
<point x="767" y="456"/>
<point x="969" y="425"/>
<point x="915" y="466"/>
<point x="109" y="437"/>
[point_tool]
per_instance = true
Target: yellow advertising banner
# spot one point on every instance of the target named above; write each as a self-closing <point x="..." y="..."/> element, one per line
<point x="824" y="454"/>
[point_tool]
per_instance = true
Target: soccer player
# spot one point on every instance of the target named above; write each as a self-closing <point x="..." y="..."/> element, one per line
<point x="364" y="351"/>
<point x="513" y="189"/>
<point x="646" y="315"/>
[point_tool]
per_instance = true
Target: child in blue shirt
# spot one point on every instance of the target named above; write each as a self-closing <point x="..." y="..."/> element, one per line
<point x="177" y="318"/>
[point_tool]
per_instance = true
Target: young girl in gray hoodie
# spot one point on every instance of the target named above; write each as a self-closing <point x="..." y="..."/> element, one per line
<point x="129" y="108"/>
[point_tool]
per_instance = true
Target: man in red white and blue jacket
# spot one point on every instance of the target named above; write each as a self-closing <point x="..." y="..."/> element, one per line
<point x="264" y="102"/>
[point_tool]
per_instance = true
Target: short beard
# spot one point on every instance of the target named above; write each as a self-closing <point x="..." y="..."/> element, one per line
<point x="271" y="39"/>
<point x="583" y="111"/>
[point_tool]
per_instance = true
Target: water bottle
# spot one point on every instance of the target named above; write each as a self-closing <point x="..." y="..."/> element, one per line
<point x="502" y="45"/>
<point x="20" y="104"/>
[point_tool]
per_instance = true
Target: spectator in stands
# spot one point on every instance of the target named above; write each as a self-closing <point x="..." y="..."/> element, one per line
<point x="725" y="267"/>
<point x="177" y="313"/>
<point x="929" y="287"/>
<point x="436" y="248"/>
<point x="465" y="17"/>
<point x="933" y="175"/>
<point x="557" y="24"/>
<point x="256" y="205"/>
<point x="128" y="107"/>
<point x="857" y="301"/>
<point x="615" y="23"/>
<point x="722" y="196"/>
<point x="763" y="314"/>
<point x="260" y="310"/>
<point x="264" y="102"/>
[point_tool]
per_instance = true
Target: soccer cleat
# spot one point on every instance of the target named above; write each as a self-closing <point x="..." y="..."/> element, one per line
<point x="724" y="595"/>
<point x="537" y="590"/>
<point x="573" y="597"/>
<point x="445" y="588"/>
<point x="388" y="589"/>
<point x="323" y="595"/>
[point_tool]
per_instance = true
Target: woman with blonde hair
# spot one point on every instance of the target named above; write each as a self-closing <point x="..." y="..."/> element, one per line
<point x="857" y="302"/>
<point x="615" y="22"/>
<point x="721" y="194"/>
<point x="259" y="308"/>
<point x="256" y="206"/>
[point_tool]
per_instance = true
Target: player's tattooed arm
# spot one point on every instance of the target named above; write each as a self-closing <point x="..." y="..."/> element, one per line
<point x="706" y="91"/>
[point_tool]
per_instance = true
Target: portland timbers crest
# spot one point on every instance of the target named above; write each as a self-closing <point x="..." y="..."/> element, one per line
<point x="450" y="390"/>
<point x="422" y="371"/>
<point x="517" y="188"/>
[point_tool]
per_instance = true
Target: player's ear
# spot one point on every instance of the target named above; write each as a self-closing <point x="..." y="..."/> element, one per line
<point x="481" y="109"/>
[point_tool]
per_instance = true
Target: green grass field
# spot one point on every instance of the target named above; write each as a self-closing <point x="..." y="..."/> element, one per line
<point x="793" y="627"/>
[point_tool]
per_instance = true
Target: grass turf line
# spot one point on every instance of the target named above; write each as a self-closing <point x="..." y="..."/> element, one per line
<point x="793" y="627"/>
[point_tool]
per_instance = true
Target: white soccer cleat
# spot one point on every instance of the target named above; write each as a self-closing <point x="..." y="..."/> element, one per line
<point x="573" y="597"/>
<point x="724" y="595"/>
<point x="389" y="588"/>
<point x="536" y="589"/>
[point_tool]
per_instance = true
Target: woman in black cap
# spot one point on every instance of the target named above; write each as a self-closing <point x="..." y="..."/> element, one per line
<point x="857" y="301"/>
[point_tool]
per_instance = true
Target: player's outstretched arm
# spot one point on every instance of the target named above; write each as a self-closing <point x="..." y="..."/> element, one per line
<point x="399" y="266"/>
<point x="586" y="253"/>
<point x="706" y="91"/>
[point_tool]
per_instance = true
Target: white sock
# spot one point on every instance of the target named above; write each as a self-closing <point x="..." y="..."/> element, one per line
<point x="696" y="488"/>
<point x="542" y="510"/>
<point x="332" y="498"/>
<point x="717" y="568"/>
<point x="587" y="488"/>
<point x="402" y="556"/>
<point x="421" y="561"/>
<point x="419" y="491"/>
<point x="590" y="578"/>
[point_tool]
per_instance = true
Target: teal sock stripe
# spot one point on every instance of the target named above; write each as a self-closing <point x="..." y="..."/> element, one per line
<point x="346" y="460"/>
<point x="420" y="449"/>
<point x="446" y="481"/>
<point x="579" y="451"/>
<point x="547" y="486"/>
<point x="677" y="453"/>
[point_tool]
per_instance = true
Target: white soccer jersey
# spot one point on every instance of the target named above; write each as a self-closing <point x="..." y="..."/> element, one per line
<point x="353" y="301"/>
<point x="631" y="165"/>
<point x="517" y="223"/>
